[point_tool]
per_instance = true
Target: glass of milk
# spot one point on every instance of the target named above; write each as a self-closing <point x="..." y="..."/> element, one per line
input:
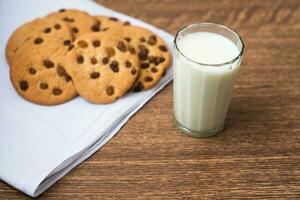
<point x="207" y="58"/>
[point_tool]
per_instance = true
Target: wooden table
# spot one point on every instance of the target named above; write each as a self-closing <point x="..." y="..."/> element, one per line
<point x="258" y="153"/>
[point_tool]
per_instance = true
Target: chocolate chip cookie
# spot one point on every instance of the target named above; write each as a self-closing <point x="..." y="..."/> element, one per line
<point x="45" y="27"/>
<point x="108" y="58"/>
<point x="102" y="67"/>
<point x="152" y="52"/>
<point x="79" y="22"/>
<point x="38" y="71"/>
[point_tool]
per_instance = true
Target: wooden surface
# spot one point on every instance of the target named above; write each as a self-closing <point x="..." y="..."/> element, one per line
<point x="257" y="155"/>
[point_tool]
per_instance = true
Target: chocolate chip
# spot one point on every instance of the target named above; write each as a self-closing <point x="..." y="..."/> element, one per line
<point x="148" y="79"/>
<point x="80" y="59"/>
<point x="68" y="78"/>
<point x="95" y="75"/>
<point x="142" y="39"/>
<point x="67" y="42"/>
<point x="163" y="48"/>
<point x="105" y="29"/>
<point x="114" y="66"/>
<point x="96" y="43"/>
<point x="48" y="63"/>
<point x="98" y="22"/>
<point x="23" y="85"/>
<point x="144" y="65"/>
<point x="38" y="40"/>
<point x="151" y="59"/>
<point x="32" y="71"/>
<point x="95" y="28"/>
<point x="62" y="10"/>
<point x="152" y="40"/>
<point x="82" y="44"/>
<point x="110" y="51"/>
<point x="122" y="46"/>
<point x="57" y="26"/>
<point x="110" y="90"/>
<point x="44" y="85"/>
<point x="93" y="61"/>
<point x="126" y="23"/>
<point x="71" y="47"/>
<point x="131" y="49"/>
<point x="75" y="30"/>
<point x="158" y="60"/>
<point x="114" y="19"/>
<point x="56" y="91"/>
<point x="67" y="19"/>
<point x="47" y="30"/>
<point x="161" y="59"/>
<point x="155" y="60"/>
<point x="143" y="54"/>
<point x="154" y="70"/>
<point x="105" y="60"/>
<point x="138" y="87"/>
<point x="133" y="71"/>
<point x="128" y="39"/>
<point x="128" y="64"/>
<point x="61" y="71"/>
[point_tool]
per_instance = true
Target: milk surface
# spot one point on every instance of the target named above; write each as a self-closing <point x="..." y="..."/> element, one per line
<point x="202" y="93"/>
<point x="208" y="48"/>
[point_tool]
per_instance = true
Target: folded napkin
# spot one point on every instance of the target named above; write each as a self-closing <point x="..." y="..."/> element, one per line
<point x="40" y="144"/>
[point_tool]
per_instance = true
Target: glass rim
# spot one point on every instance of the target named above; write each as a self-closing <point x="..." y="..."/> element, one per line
<point x="206" y="64"/>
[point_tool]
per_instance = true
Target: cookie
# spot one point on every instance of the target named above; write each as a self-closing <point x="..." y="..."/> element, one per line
<point x="43" y="26"/>
<point x="102" y="67"/>
<point x="79" y="22"/>
<point x="108" y="23"/>
<point x="152" y="52"/>
<point x="38" y="71"/>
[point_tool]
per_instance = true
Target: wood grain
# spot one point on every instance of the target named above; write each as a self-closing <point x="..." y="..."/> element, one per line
<point x="257" y="156"/>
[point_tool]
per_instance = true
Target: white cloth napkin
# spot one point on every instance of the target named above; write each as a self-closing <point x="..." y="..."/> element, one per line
<point x="40" y="144"/>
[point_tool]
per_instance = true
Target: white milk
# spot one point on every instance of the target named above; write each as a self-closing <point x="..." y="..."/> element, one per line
<point x="202" y="93"/>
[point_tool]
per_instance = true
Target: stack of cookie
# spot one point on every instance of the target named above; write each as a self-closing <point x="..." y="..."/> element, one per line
<point x="53" y="59"/>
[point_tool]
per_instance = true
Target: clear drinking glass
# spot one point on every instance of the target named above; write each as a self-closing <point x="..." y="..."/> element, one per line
<point x="202" y="92"/>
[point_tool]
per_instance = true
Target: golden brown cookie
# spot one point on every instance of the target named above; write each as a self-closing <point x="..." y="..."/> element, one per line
<point x="102" y="67"/>
<point x="80" y="22"/>
<point x="154" y="57"/>
<point x="42" y="26"/>
<point x="38" y="71"/>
